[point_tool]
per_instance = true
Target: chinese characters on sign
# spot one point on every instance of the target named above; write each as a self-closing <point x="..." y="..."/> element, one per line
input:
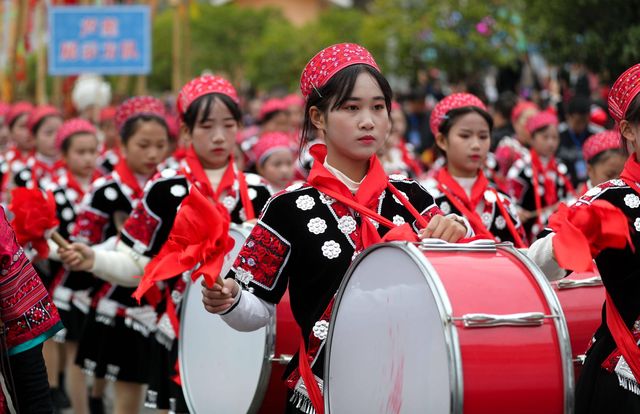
<point x="106" y="40"/>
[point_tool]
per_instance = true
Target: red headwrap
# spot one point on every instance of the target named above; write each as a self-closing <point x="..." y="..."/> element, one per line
<point x="293" y="100"/>
<point x="17" y="109"/>
<point x="623" y="91"/>
<point x="204" y="85"/>
<point x="269" y="143"/>
<point x="520" y="108"/>
<point x="330" y="61"/>
<point x="71" y="127"/>
<point x="540" y="120"/>
<point x="139" y="105"/>
<point x="272" y="105"/>
<point x="454" y="101"/>
<point x="602" y="141"/>
<point x="40" y="113"/>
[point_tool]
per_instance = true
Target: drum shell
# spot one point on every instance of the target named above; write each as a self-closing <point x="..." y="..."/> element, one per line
<point x="503" y="369"/>
<point x="582" y="308"/>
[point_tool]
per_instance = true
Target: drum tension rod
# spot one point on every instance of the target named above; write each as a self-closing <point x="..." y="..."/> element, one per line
<point x="485" y="320"/>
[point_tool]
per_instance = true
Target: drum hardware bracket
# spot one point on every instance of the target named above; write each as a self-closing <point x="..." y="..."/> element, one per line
<point x="569" y="284"/>
<point x="485" y="320"/>
<point x="579" y="359"/>
<point x="283" y="359"/>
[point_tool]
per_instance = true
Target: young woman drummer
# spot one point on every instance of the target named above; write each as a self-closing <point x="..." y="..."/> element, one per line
<point x="210" y="115"/>
<point x="110" y="347"/>
<point x="308" y="235"/>
<point x="462" y="127"/>
<point x="604" y="224"/>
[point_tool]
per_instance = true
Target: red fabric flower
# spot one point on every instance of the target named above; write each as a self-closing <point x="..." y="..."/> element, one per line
<point x="34" y="214"/>
<point x="200" y="235"/>
<point x="583" y="232"/>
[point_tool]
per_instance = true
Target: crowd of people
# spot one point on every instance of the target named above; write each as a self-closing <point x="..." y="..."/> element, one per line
<point x="322" y="176"/>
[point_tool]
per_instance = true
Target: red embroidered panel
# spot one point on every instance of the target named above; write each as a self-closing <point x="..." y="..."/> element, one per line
<point x="141" y="225"/>
<point x="90" y="227"/>
<point x="262" y="256"/>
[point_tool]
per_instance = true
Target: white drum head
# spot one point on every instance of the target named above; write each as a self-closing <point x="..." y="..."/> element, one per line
<point x="387" y="347"/>
<point x="221" y="369"/>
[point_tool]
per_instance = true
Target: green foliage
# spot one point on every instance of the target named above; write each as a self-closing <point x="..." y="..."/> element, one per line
<point x="460" y="37"/>
<point x="603" y="34"/>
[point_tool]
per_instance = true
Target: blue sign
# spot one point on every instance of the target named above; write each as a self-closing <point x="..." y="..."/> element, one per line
<point x="104" y="40"/>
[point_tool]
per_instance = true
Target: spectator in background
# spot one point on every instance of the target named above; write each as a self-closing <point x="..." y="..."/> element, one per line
<point x="502" y="118"/>
<point x="573" y="133"/>
<point x="418" y="133"/>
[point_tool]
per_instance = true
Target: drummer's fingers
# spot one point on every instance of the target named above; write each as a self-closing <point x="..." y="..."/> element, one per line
<point x="433" y="224"/>
<point x="217" y="307"/>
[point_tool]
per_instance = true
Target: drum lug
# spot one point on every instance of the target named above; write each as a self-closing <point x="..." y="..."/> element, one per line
<point x="283" y="359"/>
<point x="579" y="359"/>
<point x="570" y="284"/>
<point x="484" y="320"/>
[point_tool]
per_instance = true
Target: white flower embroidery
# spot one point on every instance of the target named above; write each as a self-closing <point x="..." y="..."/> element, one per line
<point x="397" y="177"/>
<point x="486" y="219"/>
<point x="490" y="196"/>
<point x="326" y="199"/>
<point x="72" y="195"/>
<point x="636" y="224"/>
<point x="397" y="200"/>
<point x="252" y="179"/>
<point x="110" y="194"/>
<point x="528" y="172"/>
<point x="618" y="183"/>
<point x="317" y="225"/>
<point x="541" y="188"/>
<point x="178" y="190"/>
<point x="562" y="169"/>
<point x="305" y="202"/>
<point x="501" y="223"/>
<point x="242" y="214"/>
<point x="632" y="200"/>
<point x="294" y="187"/>
<point x="320" y="330"/>
<point x="229" y="203"/>
<point x="67" y="214"/>
<point x="398" y="220"/>
<point x="347" y="224"/>
<point x="60" y="198"/>
<point x="252" y="193"/>
<point x="25" y="175"/>
<point x="331" y="249"/>
<point x="594" y="191"/>
<point x="445" y="207"/>
<point x="168" y="173"/>
<point x="243" y="276"/>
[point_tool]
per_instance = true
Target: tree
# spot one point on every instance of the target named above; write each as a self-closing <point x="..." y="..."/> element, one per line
<point x="460" y="37"/>
<point x="603" y="34"/>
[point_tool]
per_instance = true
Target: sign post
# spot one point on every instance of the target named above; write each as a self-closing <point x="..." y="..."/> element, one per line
<point x="109" y="40"/>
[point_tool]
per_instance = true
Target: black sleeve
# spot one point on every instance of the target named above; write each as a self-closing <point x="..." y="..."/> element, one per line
<point x="30" y="380"/>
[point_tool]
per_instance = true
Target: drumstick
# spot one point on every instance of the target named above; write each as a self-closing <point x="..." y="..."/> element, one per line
<point x="59" y="240"/>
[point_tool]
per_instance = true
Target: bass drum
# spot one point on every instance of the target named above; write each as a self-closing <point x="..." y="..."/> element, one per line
<point x="581" y="296"/>
<point x="447" y="328"/>
<point x="226" y="371"/>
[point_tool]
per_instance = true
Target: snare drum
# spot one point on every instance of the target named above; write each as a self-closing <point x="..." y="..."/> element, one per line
<point x="581" y="296"/>
<point x="447" y="328"/>
<point x="226" y="371"/>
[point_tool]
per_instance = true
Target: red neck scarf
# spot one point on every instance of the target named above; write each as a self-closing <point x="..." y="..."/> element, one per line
<point x="458" y="197"/>
<point x="550" y="191"/>
<point x="631" y="173"/>
<point x="366" y="198"/>
<point x="199" y="178"/>
<point x="73" y="184"/>
<point x="41" y="169"/>
<point x="127" y="177"/>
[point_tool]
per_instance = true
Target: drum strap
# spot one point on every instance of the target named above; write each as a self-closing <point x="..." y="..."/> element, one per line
<point x="623" y="338"/>
<point x="315" y="395"/>
<point x="507" y="218"/>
